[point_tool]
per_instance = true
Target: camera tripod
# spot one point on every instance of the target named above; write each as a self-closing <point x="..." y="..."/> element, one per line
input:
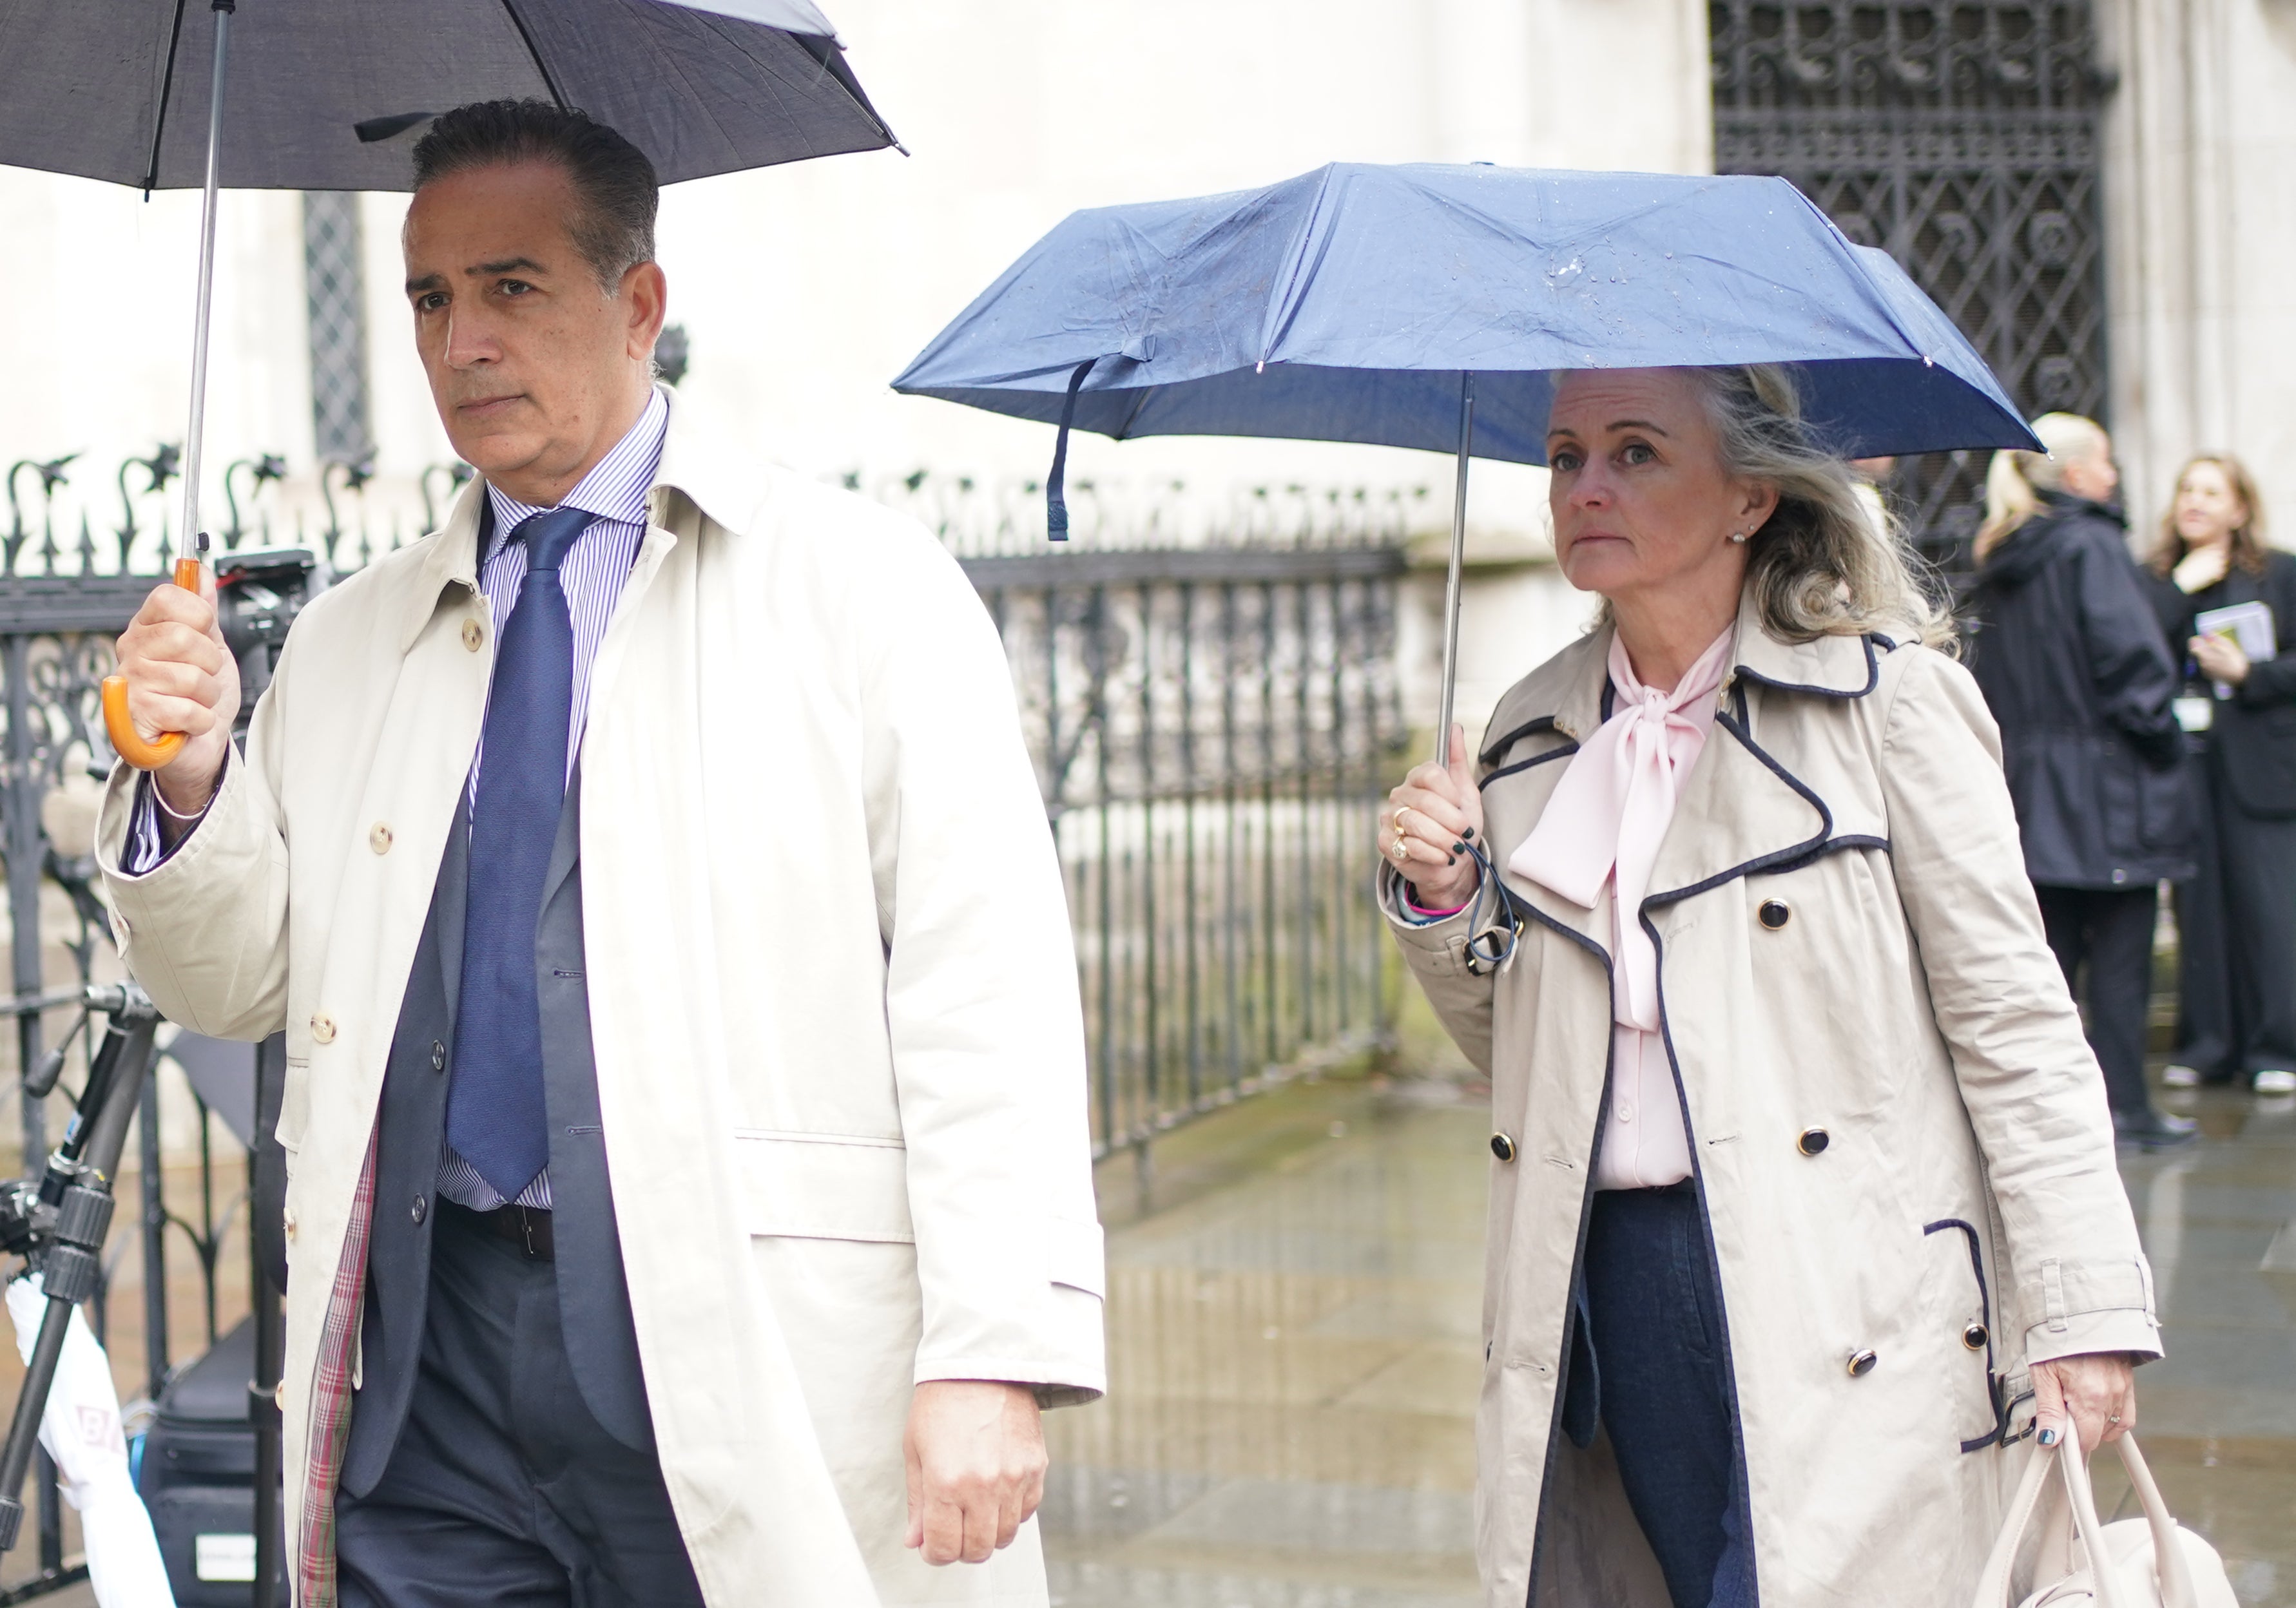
<point x="59" y="1221"/>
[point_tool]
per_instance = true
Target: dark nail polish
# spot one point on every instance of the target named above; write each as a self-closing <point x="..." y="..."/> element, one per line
<point x="2050" y="1437"/>
<point x="1458" y="848"/>
<point x="1451" y="860"/>
<point x="1468" y="834"/>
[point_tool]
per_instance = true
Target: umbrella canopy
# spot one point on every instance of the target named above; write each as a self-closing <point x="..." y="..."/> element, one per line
<point x="1350" y="303"/>
<point x="321" y="91"/>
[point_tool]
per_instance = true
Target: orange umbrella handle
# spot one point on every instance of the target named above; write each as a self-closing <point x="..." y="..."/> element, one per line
<point x="125" y="741"/>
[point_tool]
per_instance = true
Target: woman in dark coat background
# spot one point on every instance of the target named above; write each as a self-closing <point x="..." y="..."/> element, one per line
<point x="2236" y="916"/>
<point x="2074" y="667"/>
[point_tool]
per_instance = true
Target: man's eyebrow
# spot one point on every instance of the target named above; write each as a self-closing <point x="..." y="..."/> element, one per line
<point x="508" y="264"/>
<point x="429" y="282"/>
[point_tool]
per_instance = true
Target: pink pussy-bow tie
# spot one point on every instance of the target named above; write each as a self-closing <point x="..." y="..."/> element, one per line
<point x="1609" y="812"/>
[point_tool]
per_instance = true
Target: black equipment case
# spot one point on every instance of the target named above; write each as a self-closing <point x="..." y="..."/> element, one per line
<point x="198" y="1476"/>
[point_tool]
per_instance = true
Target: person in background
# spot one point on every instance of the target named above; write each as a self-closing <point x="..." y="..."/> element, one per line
<point x="2075" y="670"/>
<point x="2236" y="916"/>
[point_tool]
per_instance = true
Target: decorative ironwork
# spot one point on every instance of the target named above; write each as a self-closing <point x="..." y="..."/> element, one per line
<point x="1962" y="137"/>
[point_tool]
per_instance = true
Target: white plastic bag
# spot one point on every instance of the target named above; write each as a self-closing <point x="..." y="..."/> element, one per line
<point x="81" y="1430"/>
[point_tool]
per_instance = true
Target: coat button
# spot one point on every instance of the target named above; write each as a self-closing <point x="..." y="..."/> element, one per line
<point x="473" y="633"/>
<point x="1861" y="1363"/>
<point x="279" y="1395"/>
<point x="438" y="1057"/>
<point x="378" y="838"/>
<point x="422" y="1209"/>
<point x="287" y="1221"/>
<point x="1502" y="1147"/>
<point x="1974" y="1337"/>
<point x="1813" y="1141"/>
<point x="1774" y="914"/>
<point x="323" y="1029"/>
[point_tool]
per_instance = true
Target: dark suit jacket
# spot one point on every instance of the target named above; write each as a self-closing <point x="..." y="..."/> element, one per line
<point x="593" y="1294"/>
<point x="2252" y="741"/>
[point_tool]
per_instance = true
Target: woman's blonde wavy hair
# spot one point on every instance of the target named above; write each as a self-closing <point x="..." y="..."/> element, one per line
<point x="1824" y="563"/>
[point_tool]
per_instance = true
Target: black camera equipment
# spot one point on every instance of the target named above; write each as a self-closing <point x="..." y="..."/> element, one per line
<point x="59" y="1221"/>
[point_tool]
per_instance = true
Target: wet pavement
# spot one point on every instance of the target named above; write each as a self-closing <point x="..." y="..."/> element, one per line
<point x="1294" y="1317"/>
<point x="1293" y="1329"/>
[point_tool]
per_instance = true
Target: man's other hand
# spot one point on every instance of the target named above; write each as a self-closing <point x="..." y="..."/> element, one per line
<point x="181" y="678"/>
<point x="976" y="1456"/>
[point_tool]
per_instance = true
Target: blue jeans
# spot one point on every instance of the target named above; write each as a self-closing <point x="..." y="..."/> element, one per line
<point x="1656" y="1371"/>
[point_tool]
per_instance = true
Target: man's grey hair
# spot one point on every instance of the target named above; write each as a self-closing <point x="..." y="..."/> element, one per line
<point x="615" y="188"/>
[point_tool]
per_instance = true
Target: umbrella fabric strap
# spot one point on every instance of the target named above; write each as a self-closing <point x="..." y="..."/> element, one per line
<point x="1056" y="504"/>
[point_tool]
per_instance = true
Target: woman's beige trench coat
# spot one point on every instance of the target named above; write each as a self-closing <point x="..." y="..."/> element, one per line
<point x="832" y="997"/>
<point x="1848" y="948"/>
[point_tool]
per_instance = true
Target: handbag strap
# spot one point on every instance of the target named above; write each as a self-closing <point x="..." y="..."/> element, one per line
<point x="2104" y="1573"/>
<point x="2174" y="1570"/>
<point x="2170" y="1564"/>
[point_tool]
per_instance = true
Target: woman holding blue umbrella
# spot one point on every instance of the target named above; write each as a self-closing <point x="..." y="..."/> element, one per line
<point x="1804" y="1202"/>
<point x="1803" y="1205"/>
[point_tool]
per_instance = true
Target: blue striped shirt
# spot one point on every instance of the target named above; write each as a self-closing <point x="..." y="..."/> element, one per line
<point x="593" y="572"/>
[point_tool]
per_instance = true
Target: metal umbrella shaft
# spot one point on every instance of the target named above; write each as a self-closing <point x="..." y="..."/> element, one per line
<point x="195" y="539"/>
<point x="1458" y="567"/>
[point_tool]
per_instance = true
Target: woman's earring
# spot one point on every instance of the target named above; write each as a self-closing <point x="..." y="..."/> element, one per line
<point x="1738" y="536"/>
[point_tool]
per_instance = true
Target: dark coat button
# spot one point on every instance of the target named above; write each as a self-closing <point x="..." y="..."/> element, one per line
<point x="422" y="1210"/>
<point x="1774" y="913"/>
<point x="1502" y="1147"/>
<point x="1974" y="1337"/>
<point x="438" y="1057"/>
<point x="1813" y="1141"/>
<point x="1861" y="1363"/>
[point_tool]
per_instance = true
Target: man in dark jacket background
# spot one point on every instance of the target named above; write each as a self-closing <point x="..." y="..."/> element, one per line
<point x="2078" y="674"/>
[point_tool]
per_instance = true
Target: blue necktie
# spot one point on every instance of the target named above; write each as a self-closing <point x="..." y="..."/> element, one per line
<point x="496" y="1116"/>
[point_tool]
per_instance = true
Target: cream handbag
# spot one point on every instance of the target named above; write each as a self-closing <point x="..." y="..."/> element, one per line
<point x="2147" y="1562"/>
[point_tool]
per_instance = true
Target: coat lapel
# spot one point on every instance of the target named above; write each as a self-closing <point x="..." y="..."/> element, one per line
<point x="1741" y="810"/>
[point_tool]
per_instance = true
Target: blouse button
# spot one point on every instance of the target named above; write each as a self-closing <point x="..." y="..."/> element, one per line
<point x="1774" y="914"/>
<point x="378" y="838"/>
<point x="1502" y="1147"/>
<point x="323" y="1029"/>
<point x="473" y="633"/>
<point x="1626" y="1114"/>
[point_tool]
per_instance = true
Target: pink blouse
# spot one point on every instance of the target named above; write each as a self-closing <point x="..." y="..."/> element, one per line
<point x="1603" y="826"/>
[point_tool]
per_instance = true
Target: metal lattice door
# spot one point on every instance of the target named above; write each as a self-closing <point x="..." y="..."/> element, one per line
<point x="1962" y="138"/>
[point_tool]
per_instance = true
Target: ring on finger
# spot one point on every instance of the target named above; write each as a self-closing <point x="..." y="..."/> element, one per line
<point x="2112" y="1418"/>
<point x="1400" y="851"/>
<point x="1401" y="812"/>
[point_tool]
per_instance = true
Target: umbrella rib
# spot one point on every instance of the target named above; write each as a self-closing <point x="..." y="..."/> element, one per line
<point x="548" y="82"/>
<point x="167" y="84"/>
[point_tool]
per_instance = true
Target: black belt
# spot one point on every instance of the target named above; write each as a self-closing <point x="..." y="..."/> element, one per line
<point x="526" y="1228"/>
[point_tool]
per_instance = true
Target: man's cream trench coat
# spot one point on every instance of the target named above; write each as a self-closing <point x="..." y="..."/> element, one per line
<point x="839" y="1055"/>
<point x="1848" y="948"/>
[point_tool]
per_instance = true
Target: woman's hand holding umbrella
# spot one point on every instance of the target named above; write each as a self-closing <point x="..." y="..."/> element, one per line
<point x="1428" y="823"/>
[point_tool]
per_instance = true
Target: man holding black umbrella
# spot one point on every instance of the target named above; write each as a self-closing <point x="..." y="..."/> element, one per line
<point x="689" y="1197"/>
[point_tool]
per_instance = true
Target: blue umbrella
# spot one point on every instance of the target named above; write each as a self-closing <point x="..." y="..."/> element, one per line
<point x="1390" y="304"/>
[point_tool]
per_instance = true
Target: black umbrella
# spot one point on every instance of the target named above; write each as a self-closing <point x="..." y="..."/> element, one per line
<point x="323" y="94"/>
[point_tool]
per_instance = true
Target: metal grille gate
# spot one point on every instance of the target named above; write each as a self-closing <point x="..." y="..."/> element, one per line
<point x="1961" y="137"/>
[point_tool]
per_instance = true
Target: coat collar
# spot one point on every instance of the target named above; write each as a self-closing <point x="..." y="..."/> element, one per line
<point x="730" y="486"/>
<point x="1741" y="810"/>
<point x="1565" y="694"/>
